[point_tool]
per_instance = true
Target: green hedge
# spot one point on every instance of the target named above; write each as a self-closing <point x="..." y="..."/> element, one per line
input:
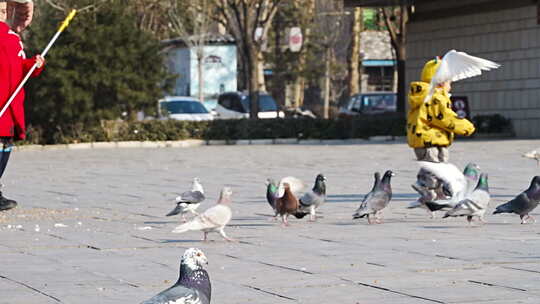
<point x="160" y="130"/>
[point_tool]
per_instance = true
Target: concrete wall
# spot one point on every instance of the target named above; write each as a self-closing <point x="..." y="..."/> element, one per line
<point x="510" y="37"/>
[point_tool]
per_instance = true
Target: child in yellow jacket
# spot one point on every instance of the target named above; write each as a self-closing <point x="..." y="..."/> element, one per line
<point x="432" y="125"/>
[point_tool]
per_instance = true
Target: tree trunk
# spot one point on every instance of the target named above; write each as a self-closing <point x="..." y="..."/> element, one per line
<point x="326" y="109"/>
<point x="200" y="72"/>
<point x="261" y="83"/>
<point x="401" y="85"/>
<point x="354" y="53"/>
<point x="253" y="81"/>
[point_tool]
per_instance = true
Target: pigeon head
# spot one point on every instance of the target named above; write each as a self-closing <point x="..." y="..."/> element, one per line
<point x="194" y="259"/>
<point x="483" y="182"/>
<point x="472" y="171"/>
<point x="320" y="185"/>
<point x="388" y="175"/>
<point x="225" y="196"/>
<point x="534" y="188"/>
<point x="196" y="185"/>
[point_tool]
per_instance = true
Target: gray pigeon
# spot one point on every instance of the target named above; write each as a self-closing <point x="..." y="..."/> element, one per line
<point x="475" y="204"/>
<point x="189" y="201"/>
<point x="313" y="199"/>
<point x="377" y="199"/>
<point x="524" y="203"/>
<point x="193" y="285"/>
<point x="213" y="219"/>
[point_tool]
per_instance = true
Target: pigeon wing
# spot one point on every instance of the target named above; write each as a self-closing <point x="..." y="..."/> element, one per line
<point x="176" y="294"/>
<point x="191" y="197"/>
<point x="217" y="216"/>
<point x="456" y="66"/>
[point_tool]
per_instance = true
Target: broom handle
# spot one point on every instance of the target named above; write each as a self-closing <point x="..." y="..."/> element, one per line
<point x="63" y="26"/>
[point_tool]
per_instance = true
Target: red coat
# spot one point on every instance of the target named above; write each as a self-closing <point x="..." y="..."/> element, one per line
<point x="13" y="68"/>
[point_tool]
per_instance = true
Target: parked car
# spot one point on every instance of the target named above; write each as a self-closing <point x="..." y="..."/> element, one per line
<point x="183" y="108"/>
<point x="236" y="105"/>
<point x="370" y="103"/>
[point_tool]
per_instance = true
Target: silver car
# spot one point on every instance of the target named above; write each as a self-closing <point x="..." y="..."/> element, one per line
<point x="183" y="108"/>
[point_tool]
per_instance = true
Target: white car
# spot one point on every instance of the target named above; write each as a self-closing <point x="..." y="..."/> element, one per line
<point x="235" y="105"/>
<point x="183" y="108"/>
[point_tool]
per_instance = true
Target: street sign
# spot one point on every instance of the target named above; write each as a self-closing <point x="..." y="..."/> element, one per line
<point x="295" y="39"/>
<point x="460" y="105"/>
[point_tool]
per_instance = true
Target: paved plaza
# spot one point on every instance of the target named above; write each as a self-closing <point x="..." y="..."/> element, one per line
<point x="91" y="228"/>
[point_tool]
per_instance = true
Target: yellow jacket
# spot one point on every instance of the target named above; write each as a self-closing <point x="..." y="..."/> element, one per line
<point x="434" y="123"/>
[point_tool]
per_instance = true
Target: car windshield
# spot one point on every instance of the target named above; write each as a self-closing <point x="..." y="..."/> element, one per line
<point x="183" y="107"/>
<point x="266" y="103"/>
<point x="378" y="102"/>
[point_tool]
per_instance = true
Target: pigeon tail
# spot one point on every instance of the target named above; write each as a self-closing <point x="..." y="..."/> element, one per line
<point x="300" y="214"/>
<point x="175" y="211"/>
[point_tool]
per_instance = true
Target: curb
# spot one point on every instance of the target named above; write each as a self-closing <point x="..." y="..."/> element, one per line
<point x="199" y="142"/>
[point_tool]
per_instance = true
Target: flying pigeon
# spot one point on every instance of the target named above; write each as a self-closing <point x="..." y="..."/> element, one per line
<point x="189" y="201"/>
<point x="213" y="219"/>
<point x="475" y="204"/>
<point x="313" y="199"/>
<point x="533" y="155"/>
<point x="193" y="285"/>
<point x="471" y="175"/>
<point x="456" y="66"/>
<point x="377" y="199"/>
<point x="287" y="204"/>
<point x="524" y="203"/>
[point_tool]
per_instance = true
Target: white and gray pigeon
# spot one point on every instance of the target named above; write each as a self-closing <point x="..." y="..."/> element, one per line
<point x="193" y="285"/>
<point x="213" y="219"/>
<point x="471" y="175"/>
<point x="377" y="199"/>
<point x="189" y="201"/>
<point x="475" y="204"/>
<point x="313" y="199"/>
<point x="524" y="203"/>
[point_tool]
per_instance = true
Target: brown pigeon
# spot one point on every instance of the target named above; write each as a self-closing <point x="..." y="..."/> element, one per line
<point x="287" y="204"/>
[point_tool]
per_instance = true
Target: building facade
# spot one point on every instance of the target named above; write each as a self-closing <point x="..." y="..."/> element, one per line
<point x="507" y="32"/>
<point x="219" y="66"/>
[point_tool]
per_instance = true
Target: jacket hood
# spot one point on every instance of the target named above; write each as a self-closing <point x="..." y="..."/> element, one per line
<point x="418" y="92"/>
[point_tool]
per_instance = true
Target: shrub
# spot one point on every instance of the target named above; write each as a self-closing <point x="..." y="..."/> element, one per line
<point x="495" y="123"/>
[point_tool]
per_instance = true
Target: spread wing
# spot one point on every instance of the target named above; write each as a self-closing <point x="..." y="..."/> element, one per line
<point x="459" y="65"/>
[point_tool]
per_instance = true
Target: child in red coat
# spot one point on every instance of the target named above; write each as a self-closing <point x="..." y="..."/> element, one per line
<point x="13" y="68"/>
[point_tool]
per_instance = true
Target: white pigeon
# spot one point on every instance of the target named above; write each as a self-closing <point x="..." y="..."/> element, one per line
<point x="471" y="175"/>
<point x="475" y="204"/>
<point x="457" y="66"/>
<point x="454" y="180"/>
<point x="189" y="201"/>
<point x="213" y="219"/>
<point x="295" y="185"/>
<point x="534" y="154"/>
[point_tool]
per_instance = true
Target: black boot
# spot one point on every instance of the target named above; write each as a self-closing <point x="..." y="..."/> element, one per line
<point x="6" y="203"/>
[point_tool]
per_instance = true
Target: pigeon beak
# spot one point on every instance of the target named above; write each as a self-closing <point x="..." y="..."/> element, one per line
<point x="393" y="174"/>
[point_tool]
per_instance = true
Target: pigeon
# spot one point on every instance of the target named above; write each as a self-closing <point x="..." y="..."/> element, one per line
<point x="271" y="192"/>
<point x="377" y="199"/>
<point x="287" y="204"/>
<point x="471" y="175"/>
<point x="475" y="204"/>
<point x="533" y="155"/>
<point x="295" y="185"/>
<point x="214" y="219"/>
<point x="524" y="203"/>
<point x="193" y="285"/>
<point x="313" y="199"/>
<point x="189" y="201"/>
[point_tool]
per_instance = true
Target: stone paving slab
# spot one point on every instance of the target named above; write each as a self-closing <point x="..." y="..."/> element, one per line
<point x="91" y="228"/>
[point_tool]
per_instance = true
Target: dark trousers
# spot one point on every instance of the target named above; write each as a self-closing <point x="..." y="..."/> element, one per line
<point x="7" y="146"/>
